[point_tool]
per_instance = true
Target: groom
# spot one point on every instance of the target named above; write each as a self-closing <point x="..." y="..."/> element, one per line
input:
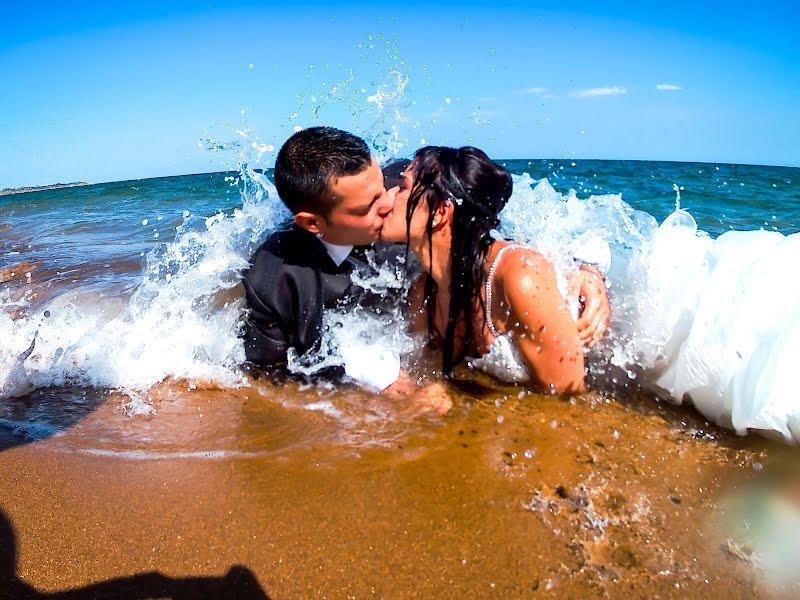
<point x="336" y="191"/>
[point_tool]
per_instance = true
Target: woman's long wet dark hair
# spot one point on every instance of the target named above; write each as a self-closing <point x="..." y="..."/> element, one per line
<point x="479" y="189"/>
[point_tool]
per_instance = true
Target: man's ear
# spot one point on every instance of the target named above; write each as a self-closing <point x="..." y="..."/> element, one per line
<point x="309" y="221"/>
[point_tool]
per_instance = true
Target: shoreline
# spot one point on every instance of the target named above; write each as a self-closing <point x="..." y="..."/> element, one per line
<point x="40" y="188"/>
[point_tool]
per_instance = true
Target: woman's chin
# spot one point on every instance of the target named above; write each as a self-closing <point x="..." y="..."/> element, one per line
<point x="390" y="236"/>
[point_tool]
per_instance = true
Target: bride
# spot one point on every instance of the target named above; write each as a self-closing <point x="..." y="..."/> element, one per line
<point x="503" y="303"/>
<point x="500" y="302"/>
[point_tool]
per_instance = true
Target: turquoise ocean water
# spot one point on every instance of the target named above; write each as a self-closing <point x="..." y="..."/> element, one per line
<point x="98" y="230"/>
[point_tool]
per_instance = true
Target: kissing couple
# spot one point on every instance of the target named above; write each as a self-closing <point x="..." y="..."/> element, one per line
<point x="497" y="304"/>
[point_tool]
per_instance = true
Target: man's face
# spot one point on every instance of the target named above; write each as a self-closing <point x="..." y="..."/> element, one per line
<point x="361" y="204"/>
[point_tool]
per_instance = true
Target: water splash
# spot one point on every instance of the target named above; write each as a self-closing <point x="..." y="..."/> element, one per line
<point x="371" y="329"/>
<point x="390" y="102"/>
<point x="371" y="98"/>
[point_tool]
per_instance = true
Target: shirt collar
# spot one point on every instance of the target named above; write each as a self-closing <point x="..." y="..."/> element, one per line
<point x="337" y="253"/>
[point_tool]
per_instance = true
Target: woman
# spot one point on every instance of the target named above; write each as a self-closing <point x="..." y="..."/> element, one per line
<point x="482" y="297"/>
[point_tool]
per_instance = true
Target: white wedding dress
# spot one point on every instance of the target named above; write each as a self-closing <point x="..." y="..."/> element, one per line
<point x="718" y="321"/>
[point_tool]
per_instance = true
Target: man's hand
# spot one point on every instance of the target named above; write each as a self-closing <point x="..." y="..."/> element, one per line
<point x="593" y="320"/>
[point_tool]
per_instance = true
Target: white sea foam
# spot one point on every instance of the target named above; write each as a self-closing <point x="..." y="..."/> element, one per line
<point x="182" y="320"/>
<point x="351" y="331"/>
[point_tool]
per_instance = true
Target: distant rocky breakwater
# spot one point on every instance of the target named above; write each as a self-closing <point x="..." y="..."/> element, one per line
<point x="39" y="188"/>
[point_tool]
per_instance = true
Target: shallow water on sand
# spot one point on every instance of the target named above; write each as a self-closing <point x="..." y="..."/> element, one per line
<point x="511" y="495"/>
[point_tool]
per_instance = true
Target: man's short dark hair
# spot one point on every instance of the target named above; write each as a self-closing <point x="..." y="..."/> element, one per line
<point x="310" y="160"/>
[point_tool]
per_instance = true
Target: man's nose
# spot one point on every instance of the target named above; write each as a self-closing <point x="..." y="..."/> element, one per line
<point x="387" y="202"/>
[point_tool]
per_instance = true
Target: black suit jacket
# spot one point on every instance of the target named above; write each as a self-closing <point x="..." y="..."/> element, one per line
<point x="291" y="280"/>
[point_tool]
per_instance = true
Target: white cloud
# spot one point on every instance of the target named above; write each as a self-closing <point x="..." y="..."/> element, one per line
<point x="602" y="91"/>
<point x="535" y="91"/>
<point x="487" y="99"/>
<point x="668" y="87"/>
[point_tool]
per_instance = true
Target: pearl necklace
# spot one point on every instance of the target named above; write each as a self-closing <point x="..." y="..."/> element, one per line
<point x="488" y="286"/>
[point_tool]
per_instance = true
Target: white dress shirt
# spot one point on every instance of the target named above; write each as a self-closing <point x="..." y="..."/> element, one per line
<point x="337" y="253"/>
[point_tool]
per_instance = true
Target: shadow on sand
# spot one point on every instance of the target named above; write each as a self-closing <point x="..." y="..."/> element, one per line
<point x="48" y="412"/>
<point x="239" y="582"/>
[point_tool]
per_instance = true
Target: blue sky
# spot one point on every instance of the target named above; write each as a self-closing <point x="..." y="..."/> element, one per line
<point x="97" y="92"/>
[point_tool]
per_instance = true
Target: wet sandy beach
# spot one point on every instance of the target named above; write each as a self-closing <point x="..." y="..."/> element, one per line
<point x="512" y="495"/>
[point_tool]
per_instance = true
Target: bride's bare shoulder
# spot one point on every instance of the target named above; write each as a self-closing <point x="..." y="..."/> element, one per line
<point x="525" y="274"/>
<point x="521" y="261"/>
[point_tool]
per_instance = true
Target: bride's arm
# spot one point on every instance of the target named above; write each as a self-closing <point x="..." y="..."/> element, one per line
<point x="544" y="329"/>
<point x="430" y="398"/>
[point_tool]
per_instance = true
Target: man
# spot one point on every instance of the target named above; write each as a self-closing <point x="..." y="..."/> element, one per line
<point x="335" y="190"/>
<point x="334" y="187"/>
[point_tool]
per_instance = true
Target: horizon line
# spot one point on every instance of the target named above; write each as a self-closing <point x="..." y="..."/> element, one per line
<point x="497" y="160"/>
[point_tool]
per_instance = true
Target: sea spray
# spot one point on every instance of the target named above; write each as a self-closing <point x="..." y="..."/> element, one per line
<point x="377" y="326"/>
